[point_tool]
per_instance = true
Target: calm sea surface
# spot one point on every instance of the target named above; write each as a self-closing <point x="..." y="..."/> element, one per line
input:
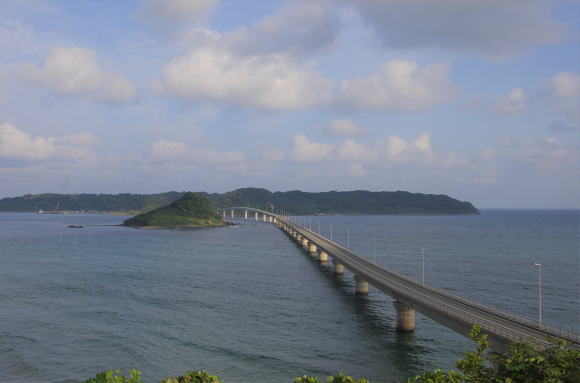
<point x="247" y="304"/>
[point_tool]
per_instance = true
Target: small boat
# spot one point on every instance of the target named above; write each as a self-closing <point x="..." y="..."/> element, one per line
<point x="76" y="226"/>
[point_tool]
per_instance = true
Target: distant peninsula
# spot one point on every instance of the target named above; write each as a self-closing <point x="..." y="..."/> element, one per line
<point x="190" y="210"/>
<point x="297" y="202"/>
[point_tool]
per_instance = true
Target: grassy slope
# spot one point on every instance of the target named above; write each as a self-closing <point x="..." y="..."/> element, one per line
<point x="191" y="210"/>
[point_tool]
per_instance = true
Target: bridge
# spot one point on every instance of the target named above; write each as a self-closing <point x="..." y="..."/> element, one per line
<point x="452" y="311"/>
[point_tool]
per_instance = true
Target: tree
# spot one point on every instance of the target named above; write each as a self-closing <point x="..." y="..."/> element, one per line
<point x="522" y="363"/>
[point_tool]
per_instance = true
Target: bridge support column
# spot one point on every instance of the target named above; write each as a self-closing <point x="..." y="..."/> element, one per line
<point x="232" y="212"/>
<point x="245" y="214"/>
<point x="270" y="218"/>
<point x="323" y="257"/>
<point x="264" y="217"/>
<point x="312" y="248"/>
<point x="338" y="268"/>
<point x="224" y="213"/>
<point x="256" y="216"/>
<point x="304" y="243"/>
<point x="362" y="286"/>
<point x="405" y="317"/>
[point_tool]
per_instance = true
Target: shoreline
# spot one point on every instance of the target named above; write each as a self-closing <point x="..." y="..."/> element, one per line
<point x="225" y="224"/>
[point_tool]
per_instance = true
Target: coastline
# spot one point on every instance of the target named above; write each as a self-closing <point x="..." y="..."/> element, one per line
<point x="225" y="224"/>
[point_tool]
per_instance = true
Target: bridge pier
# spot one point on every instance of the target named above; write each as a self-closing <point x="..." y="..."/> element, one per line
<point x="405" y="317"/>
<point x="304" y="243"/>
<point x="323" y="257"/>
<point x="338" y="267"/>
<point x="312" y="248"/>
<point x="232" y="213"/>
<point x="362" y="286"/>
<point x="270" y="218"/>
<point x="245" y="214"/>
<point x="256" y="215"/>
<point x="264" y="217"/>
<point x="224" y="213"/>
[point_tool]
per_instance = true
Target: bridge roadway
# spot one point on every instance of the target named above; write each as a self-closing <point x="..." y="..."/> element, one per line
<point x="454" y="312"/>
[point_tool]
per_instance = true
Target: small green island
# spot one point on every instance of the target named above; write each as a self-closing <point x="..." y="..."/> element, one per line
<point x="190" y="210"/>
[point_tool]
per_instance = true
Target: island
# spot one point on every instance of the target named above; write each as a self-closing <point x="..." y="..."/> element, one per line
<point x="188" y="211"/>
<point x="297" y="202"/>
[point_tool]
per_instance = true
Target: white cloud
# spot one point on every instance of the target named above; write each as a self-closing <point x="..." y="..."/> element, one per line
<point x="566" y="85"/>
<point x="357" y="170"/>
<point x="17" y="144"/>
<point x="492" y="28"/>
<point x="396" y="146"/>
<point x="423" y="143"/>
<point x="307" y="151"/>
<point x="400" y="149"/>
<point x="173" y="13"/>
<point x="176" y="151"/>
<point x="527" y="157"/>
<point x="551" y="140"/>
<point x="274" y="155"/>
<point x="351" y="150"/>
<point x="269" y="82"/>
<point x="341" y="128"/>
<point x="81" y="138"/>
<point x="515" y="102"/>
<point x="400" y="86"/>
<point x="420" y="151"/>
<point x="563" y="100"/>
<point x="167" y="151"/>
<point x="15" y="38"/>
<point x="75" y="71"/>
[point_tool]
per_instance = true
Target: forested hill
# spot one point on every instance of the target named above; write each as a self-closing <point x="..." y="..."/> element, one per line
<point x="297" y="202"/>
<point x="190" y="210"/>
<point x="345" y="202"/>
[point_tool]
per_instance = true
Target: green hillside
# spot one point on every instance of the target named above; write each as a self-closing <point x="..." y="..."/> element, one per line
<point x="89" y="202"/>
<point x="297" y="202"/>
<point x="190" y="210"/>
<point x="345" y="202"/>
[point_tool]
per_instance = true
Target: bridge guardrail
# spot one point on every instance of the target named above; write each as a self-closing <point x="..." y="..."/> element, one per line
<point x="414" y="295"/>
<point x="554" y="331"/>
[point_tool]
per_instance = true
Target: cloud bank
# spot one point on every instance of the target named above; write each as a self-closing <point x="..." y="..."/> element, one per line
<point x="495" y="29"/>
<point x="75" y="71"/>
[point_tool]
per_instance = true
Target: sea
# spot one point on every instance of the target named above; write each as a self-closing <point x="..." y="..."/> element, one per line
<point x="247" y="304"/>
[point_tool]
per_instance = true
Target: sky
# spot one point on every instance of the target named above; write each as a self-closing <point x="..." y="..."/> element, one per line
<point x="476" y="99"/>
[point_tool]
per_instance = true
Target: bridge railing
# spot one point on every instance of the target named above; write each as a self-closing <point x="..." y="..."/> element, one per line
<point x="402" y="290"/>
<point x="554" y="331"/>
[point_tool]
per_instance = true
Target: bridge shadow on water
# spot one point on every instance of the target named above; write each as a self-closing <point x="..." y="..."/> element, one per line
<point x="376" y="320"/>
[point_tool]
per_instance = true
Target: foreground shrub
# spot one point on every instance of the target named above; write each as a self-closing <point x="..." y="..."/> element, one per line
<point x="193" y="377"/>
<point x="340" y="378"/>
<point x="113" y="377"/>
<point x="523" y="363"/>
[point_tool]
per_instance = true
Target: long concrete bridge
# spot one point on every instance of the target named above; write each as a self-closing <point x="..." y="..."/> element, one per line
<point x="452" y="311"/>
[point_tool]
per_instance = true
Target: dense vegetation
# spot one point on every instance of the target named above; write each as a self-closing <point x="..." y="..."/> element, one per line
<point x="347" y="202"/>
<point x="89" y="202"/>
<point x="191" y="209"/>
<point x="523" y="363"/>
<point x="297" y="202"/>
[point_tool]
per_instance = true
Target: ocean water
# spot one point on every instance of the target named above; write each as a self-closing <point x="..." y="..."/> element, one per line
<point x="247" y="304"/>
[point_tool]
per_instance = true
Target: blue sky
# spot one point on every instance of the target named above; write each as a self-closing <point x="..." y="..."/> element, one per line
<point x="477" y="99"/>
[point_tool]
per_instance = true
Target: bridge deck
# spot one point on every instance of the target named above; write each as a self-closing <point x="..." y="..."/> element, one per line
<point x="455" y="312"/>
